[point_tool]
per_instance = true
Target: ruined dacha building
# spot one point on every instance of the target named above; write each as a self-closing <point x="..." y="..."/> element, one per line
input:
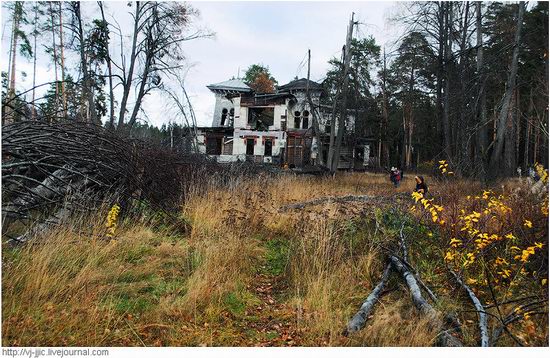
<point x="277" y="127"/>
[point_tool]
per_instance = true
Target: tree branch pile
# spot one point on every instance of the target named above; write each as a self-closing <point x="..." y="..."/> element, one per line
<point x="45" y="164"/>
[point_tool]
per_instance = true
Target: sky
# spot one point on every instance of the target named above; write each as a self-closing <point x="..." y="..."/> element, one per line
<point x="275" y="34"/>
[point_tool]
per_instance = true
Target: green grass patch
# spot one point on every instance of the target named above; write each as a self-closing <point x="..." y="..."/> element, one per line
<point x="136" y="254"/>
<point x="132" y="305"/>
<point x="238" y="301"/>
<point x="131" y="276"/>
<point x="277" y="254"/>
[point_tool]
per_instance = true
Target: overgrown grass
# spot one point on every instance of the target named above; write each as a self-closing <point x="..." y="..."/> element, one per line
<point x="151" y="287"/>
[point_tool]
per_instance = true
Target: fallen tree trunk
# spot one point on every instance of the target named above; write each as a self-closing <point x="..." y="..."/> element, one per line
<point x="330" y="199"/>
<point x="444" y="337"/>
<point x="405" y="260"/>
<point x="483" y="329"/>
<point x="360" y="318"/>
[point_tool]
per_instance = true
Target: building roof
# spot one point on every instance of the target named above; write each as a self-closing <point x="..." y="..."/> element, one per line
<point x="235" y="85"/>
<point x="300" y="84"/>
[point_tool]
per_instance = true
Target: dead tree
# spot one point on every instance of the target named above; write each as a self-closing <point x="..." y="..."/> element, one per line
<point x="360" y="318"/>
<point x="343" y="113"/>
<point x="483" y="330"/>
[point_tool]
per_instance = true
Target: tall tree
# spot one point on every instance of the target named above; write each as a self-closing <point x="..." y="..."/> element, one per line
<point x="259" y="78"/>
<point x="88" y="111"/>
<point x="18" y="17"/>
<point x="506" y="100"/>
<point x="104" y="26"/>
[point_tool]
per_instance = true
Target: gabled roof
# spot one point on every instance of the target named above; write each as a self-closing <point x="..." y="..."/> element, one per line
<point x="300" y="84"/>
<point x="235" y="85"/>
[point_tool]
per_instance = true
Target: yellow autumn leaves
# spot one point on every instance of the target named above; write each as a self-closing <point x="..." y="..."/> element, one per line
<point x="475" y="232"/>
<point x="444" y="168"/>
<point x="112" y="219"/>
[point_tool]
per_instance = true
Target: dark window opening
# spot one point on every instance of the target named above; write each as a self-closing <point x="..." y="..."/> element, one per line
<point x="224" y="116"/>
<point x="283" y="125"/>
<point x="231" y="117"/>
<point x="268" y="147"/>
<point x="327" y="128"/>
<point x="249" y="146"/>
<point x="213" y="146"/>
<point x="305" y="122"/>
<point x="260" y="119"/>
<point x="297" y="120"/>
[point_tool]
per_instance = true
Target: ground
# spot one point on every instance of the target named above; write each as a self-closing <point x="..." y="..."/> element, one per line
<point x="248" y="271"/>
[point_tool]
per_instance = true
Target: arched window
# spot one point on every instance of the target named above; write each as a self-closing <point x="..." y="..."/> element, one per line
<point x="231" y="117"/>
<point x="305" y="117"/>
<point x="297" y="119"/>
<point x="224" y="116"/>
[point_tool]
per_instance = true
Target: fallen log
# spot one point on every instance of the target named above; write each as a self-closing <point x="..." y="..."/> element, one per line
<point x="444" y="337"/>
<point x="360" y="318"/>
<point x="330" y="199"/>
<point x="405" y="260"/>
<point x="483" y="329"/>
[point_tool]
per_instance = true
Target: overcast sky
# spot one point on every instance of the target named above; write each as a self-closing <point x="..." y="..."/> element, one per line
<point x="276" y="34"/>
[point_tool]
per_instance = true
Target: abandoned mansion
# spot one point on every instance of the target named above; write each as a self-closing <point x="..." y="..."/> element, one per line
<point x="277" y="127"/>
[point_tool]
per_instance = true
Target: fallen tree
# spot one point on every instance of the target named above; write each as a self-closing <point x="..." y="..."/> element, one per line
<point x="330" y="199"/>
<point x="360" y="318"/>
<point x="444" y="337"/>
<point x="49" y="170"/>
<point x="401" y="266"/>
<point x="483" y="329"/>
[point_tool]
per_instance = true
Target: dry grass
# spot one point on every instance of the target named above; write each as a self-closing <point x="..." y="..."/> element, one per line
<point x="150" y="288"/>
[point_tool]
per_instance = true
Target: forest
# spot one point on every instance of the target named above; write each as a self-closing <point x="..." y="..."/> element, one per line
<point x="116" y="232"/>
<point x="466" y="82"/>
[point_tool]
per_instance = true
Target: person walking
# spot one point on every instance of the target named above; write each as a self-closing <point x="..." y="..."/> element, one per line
<point x="395" y="176"/>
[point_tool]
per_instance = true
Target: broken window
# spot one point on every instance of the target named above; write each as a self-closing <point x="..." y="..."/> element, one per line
<point x="268" y="147"/>
<point x="213" y="146"/>
<point x="305" y="122"/>
<point x="297" y="120"/>
<point x="224" y="116"/>
<point x="260" y="119"/>
<point x="250" y="146"/>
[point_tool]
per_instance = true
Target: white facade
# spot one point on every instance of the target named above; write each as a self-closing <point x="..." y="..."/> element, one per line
<point x="235" y="135"/>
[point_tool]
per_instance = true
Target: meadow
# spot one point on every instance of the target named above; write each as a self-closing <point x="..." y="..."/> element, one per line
<point x="250" y="269"/>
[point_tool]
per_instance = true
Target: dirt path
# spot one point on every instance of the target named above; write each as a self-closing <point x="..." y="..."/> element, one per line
<point x="277" y="320"/>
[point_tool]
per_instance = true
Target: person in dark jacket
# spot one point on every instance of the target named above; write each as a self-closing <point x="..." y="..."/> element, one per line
<point x="395" y="176"/>
<point x="421" y="186"/>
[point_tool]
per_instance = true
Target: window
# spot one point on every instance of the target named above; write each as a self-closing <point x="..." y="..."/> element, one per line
<point x="268" y="147"/>
<point x="261" y="118"/>
<point x="297" y="119"/>
<point x="283" y="125"/>
<point x="213" y="146"/>
<point x="250" y="146"/>
<point x="224" y="116"/>
<point x="305" y="122"/>
<point x="327" y="128"/>
<point x="231" y="117"/>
